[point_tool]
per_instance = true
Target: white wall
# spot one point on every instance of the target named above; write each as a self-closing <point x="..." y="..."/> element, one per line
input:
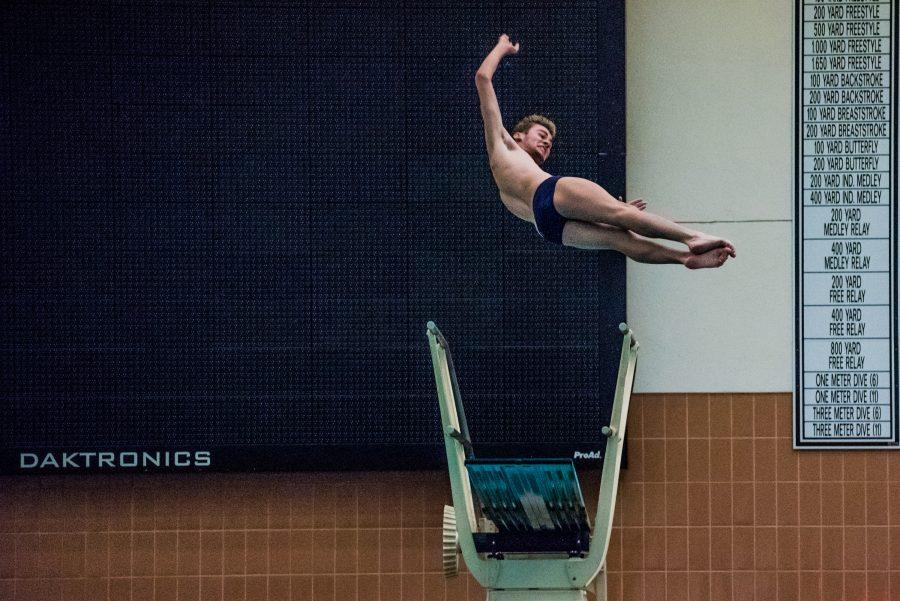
<point x="710" y="144"/>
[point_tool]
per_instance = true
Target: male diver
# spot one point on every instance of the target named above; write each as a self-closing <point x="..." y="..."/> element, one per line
<point x="572" y="211"/>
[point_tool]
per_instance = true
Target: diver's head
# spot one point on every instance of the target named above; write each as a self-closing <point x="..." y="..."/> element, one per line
<point x="535" y="134"/>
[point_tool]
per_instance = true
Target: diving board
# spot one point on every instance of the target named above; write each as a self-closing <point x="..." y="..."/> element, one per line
<point x="521" y="525"/>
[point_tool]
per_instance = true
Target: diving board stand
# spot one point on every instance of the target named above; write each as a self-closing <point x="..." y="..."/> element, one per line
<point x="521" y="524"/>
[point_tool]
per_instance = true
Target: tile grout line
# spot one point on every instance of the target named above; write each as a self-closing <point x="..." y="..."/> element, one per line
<point x="83" y="559"/>
<point x="422" y="549"/>
<point x="843" y="531"/>
<point x="222" y="557"/>
<point x="798" y="514"/>
<point x="753" y="463"/>
<point x="244" y="563"/>
<point x="154" y="549"/>
<point x="108" y="560"/>
<point x="131" y="543"/>
<point x="178" y="525"/>
<point x="643" y="510"/>
<point x="687" y="490"/>
<point x="665" y="496"/>
<point x="356" y="533"/>
<point x="200" y="560"/>
<point x="889" y="530"/>
<point x="777" y="513"/>
<point x="334" y="545"/>
<point x="731" y="485"/>
<point x="708" y="430"/>
<point x="643" y="506"/>
<point x="888" y="520"/>
<point x="821" y="528"/>
<point x="380" y="567"/>
<point x="866" y="520"/>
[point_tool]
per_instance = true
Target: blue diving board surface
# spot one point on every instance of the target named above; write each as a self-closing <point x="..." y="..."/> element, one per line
<point x="536" y="505"/>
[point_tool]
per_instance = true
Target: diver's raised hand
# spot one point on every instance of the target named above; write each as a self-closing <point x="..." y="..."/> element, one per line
<point x="506" y="46"/>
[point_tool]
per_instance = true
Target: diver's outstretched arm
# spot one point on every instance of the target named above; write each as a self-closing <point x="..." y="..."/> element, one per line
<point x="494" y="132"/>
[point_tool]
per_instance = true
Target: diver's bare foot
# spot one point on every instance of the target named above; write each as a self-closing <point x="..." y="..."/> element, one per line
<point x="715" y="257"/>
<point x="702" y="243"/>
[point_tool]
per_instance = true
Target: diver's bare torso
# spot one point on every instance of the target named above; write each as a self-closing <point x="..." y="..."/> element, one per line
<point x="517" y="176"/>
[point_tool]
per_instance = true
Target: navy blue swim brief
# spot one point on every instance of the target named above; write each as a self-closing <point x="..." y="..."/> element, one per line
<point x="547" y="220"/>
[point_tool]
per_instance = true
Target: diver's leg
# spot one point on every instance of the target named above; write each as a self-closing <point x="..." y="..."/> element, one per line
<point x="584" y="200"/>
<point x="581" y="234"/>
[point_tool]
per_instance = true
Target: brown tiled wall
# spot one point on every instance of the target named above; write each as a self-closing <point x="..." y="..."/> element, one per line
<point x="715" y="506"/>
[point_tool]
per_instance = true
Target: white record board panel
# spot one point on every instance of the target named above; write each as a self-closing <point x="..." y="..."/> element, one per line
<point x="846" y="225"/>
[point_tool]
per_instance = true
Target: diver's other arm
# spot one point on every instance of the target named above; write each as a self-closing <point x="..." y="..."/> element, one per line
<point x="494" y="131"/>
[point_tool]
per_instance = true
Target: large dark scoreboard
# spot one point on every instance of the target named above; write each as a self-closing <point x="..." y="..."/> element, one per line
<point x="224" y="226"/>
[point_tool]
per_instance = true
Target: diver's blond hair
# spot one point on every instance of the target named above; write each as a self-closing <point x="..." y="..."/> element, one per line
<point x="526" y="122"/>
